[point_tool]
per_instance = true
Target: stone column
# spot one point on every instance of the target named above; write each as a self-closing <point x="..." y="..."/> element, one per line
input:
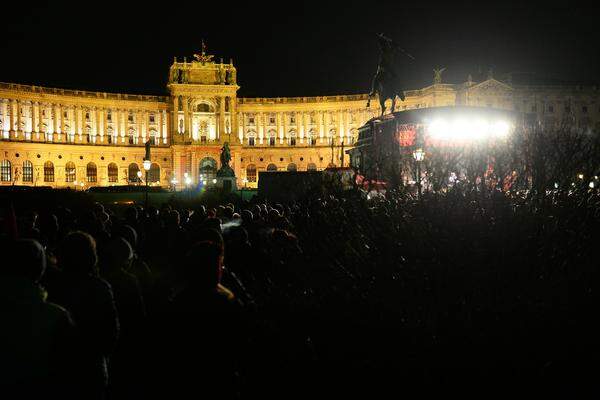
<point x="260" y="127"/>
<point x="18" y="127"/>
<point x="240" y="121"/>
<point x="164" y="126"/>
<point x="6" y="121"/>
<point x="303" y="127"/>
<point x="280" y="118"/>
<point x="35" y="108"/>
<point x="341" y="125"/>
<point x="284" y="135"/>
<point x="186" y="118"/>
<point x="101" y="124"/>
<point x="55" y="118"/>
<point x="233" y="114"/>
<point x="325" y="125"/>
<point x="221" y="129"/>
<point x="159" y="132"/>
<point x="62" y="120"/>
<point x="175" y="119"/>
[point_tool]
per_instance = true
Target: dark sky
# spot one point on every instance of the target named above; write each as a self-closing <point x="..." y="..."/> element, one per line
<point x="289" y="48"/>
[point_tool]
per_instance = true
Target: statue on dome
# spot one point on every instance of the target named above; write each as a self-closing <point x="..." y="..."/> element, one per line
<point x="202" y="57"/>
<point x="437" y="75"/>
<point x="385" y="82"/>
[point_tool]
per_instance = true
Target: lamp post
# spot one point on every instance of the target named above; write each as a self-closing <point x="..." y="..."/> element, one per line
<point x="188" y="181"/>
<point x="418" y="155"/>
<point x="245" y="181"/>
<point x="147" y="164"/>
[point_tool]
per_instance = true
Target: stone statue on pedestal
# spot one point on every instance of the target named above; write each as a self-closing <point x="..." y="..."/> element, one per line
<point x="225" y="175"/>
<point x="385" y="82"/>
<point x="225" y="170"/>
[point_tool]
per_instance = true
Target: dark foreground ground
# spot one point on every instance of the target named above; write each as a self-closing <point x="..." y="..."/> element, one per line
<point x="469" y="294"/>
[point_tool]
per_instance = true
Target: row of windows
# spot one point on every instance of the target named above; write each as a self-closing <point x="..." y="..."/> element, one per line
<point x="311" y="141"/>
<point x="251" y="172"/>
<point x="133" y="176"/>
<point x="292" y="119"/>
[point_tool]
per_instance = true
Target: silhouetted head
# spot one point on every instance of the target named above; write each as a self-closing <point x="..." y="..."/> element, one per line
<point x="28" y="260"/>
<point x="174" y="218"/>
<point x="127" y="233"/>
<point x="77" y="254"/>
<point x="210" y="235"/>
<point x="213" y="223"/>
<point x="247" y="216"/>
<point x="203" y="265"/>
<point x="119" y="254"/>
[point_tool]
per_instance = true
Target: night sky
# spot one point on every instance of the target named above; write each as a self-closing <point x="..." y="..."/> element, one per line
<point x="290" y="48"/>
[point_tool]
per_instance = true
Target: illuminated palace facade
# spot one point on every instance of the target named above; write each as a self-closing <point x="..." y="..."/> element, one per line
<point x="60" y="138"/>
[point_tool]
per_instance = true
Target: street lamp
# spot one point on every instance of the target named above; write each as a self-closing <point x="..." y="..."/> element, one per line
<point x="245" y="182"/>
<point x="147" y="164"/>
<point x="418" y="155"/>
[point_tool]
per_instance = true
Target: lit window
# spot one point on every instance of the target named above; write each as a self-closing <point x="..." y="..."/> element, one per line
<point x="113" y="172"/>
<point x="70" y="172"/>
<point x="154" y="173"/>
<point x="251" y="173"/>
<point x="91" y="172"/>
<point x="48" y="171"/>
<point x="5" y="171"/>
<point x="27" y="171"/>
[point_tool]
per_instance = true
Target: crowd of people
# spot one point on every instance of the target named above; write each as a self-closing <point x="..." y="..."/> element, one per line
<point x="463" y="291"/>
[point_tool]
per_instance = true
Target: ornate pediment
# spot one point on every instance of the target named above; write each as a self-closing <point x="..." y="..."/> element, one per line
<point x="491" y="87"/>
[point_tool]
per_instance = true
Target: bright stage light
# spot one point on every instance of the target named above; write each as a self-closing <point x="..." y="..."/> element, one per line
<point x="463" y="129"/>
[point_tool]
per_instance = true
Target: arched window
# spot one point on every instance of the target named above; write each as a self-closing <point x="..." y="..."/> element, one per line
<point x="70" y="172"/>
<point x="311" y="167"/>
<point x="331" y="136"/>
<point x="312" y="138"/>
<point x="292" y="167"/>
<point x="113" y="172"/>
<point x="251" y="173"/>
<point x="132" y="173"/>
<point x="132" y="137"/>
<point x="48" y="171"/>
<point x="27" y="171"/>
<point x="203" y="107"/>
<point x="251" y="138"/>
<point x="153" y="134"/>
<point x="91" y="172"/>
<point x="271" y="167"/>
<point x="292" y="138"/>
<point x="5" y="171"/>
<point x="272" y="136"/>
<point x="208" y="169"/>
<point x="154" y="173"/>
